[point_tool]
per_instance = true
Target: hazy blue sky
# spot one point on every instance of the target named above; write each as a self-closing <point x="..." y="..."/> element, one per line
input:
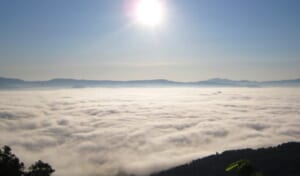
<point x="199" y="39"/>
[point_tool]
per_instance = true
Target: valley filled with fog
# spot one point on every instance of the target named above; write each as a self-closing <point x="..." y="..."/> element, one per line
<point x="110" y="131"/>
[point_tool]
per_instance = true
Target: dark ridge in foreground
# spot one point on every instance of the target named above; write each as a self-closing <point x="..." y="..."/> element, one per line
<point x="283" y="160"/>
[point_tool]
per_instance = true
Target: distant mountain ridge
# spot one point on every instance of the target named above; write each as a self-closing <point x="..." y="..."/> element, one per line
<point x="12" y="83"/>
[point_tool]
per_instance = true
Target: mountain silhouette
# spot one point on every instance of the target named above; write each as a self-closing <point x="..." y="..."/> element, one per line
<point x="11" y="83"/>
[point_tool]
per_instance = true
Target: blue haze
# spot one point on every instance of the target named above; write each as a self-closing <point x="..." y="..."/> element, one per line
<point x="237" y="39"/>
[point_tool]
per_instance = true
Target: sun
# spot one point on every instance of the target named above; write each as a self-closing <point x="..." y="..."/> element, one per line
<point x="150" y="12"/>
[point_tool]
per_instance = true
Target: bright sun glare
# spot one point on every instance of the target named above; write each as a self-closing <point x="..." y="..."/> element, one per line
<point x="150" y="12"/>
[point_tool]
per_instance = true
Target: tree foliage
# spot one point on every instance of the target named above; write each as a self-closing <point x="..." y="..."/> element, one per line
<point x="40" y="169"/>
<point x="10" y="165"/>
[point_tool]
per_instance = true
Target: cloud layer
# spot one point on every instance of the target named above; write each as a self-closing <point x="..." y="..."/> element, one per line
<point x="113" y="131"/>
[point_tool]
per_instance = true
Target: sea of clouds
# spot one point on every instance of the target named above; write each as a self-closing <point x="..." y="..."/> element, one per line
<point x="111" y="131"/>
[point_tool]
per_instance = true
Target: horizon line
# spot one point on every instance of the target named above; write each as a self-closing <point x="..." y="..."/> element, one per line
<point x="154" y="79"/>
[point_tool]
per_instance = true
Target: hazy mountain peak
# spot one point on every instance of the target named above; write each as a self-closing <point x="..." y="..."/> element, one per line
<point x="78" y="83"/>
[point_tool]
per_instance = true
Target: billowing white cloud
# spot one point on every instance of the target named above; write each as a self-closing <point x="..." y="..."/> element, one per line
<point x="105" y="131"/>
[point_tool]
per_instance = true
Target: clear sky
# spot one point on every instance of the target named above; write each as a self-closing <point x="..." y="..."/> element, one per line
<point x="197" y="40"/>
